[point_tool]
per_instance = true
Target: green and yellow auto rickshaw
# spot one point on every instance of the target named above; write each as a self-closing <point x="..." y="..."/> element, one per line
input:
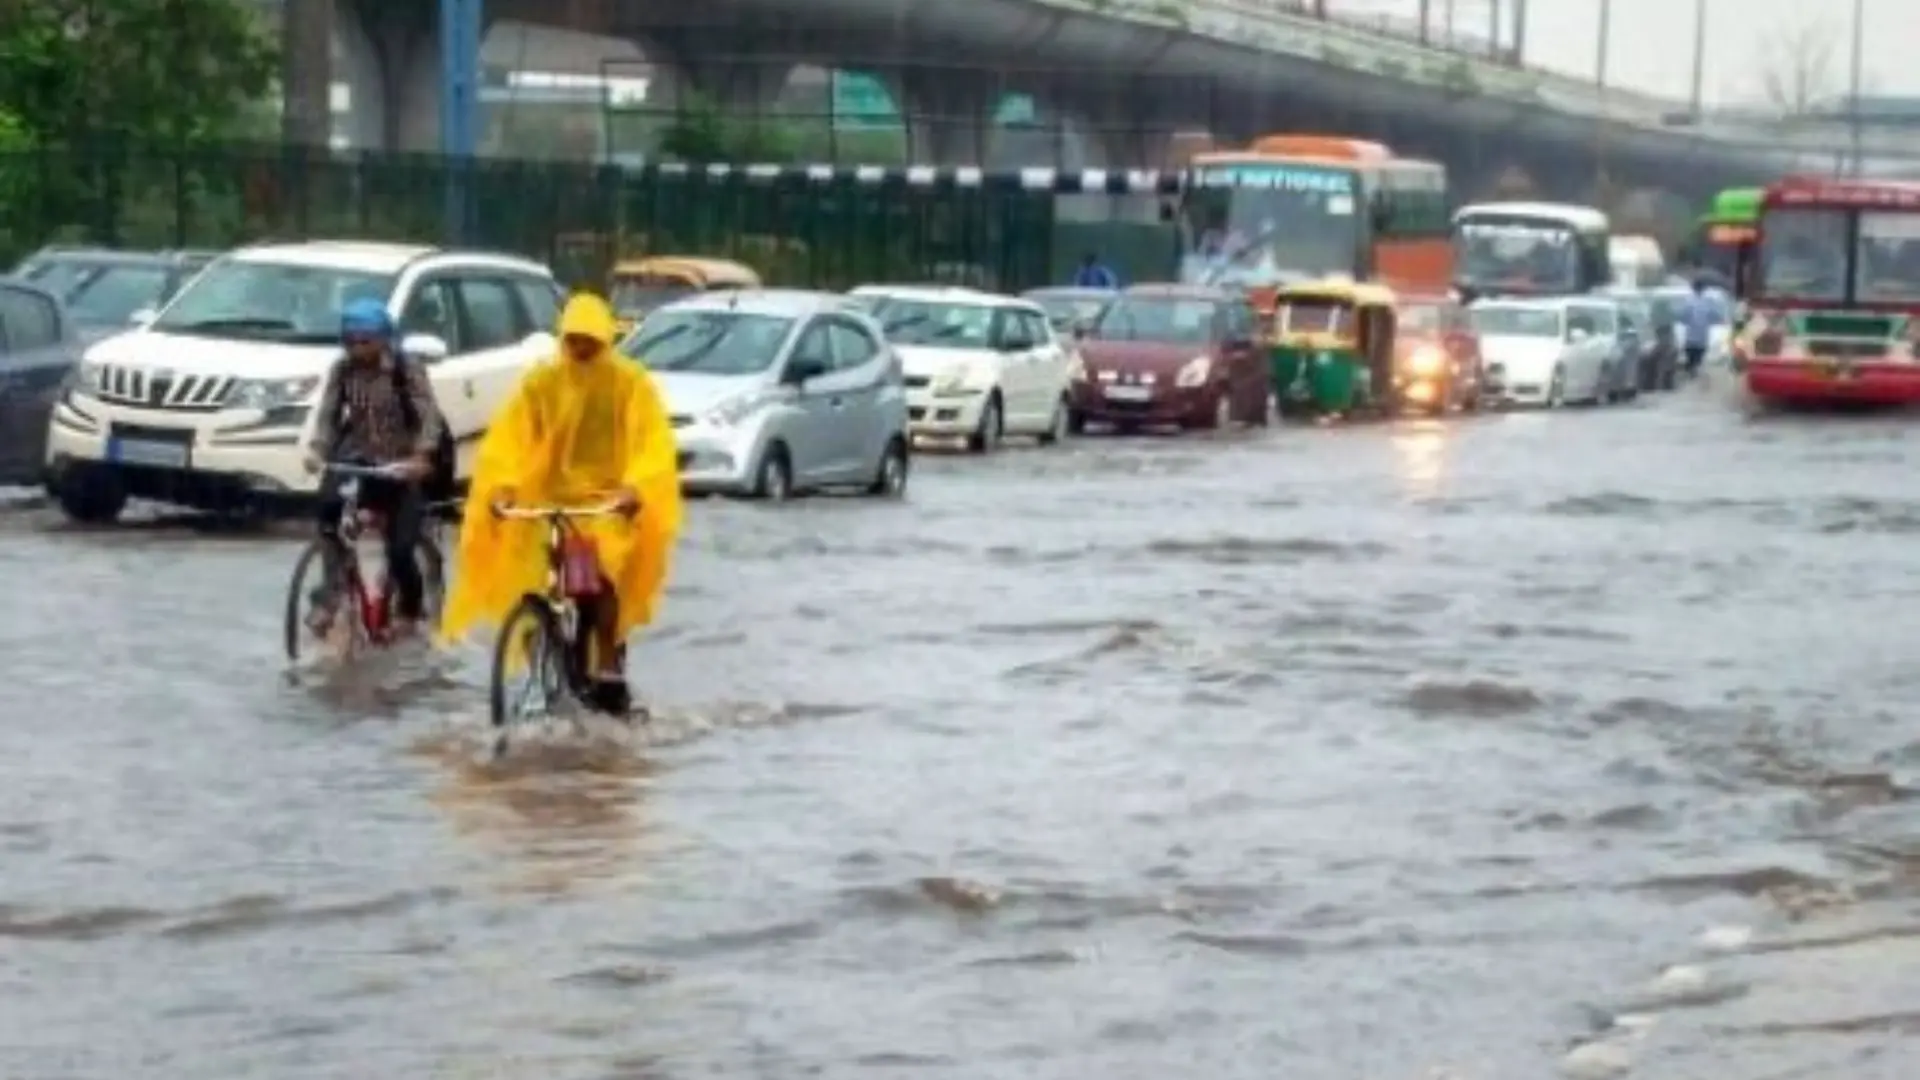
<point x="1332" y="348"/>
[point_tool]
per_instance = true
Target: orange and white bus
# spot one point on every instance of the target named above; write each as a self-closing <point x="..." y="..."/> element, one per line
<point x="1300" y="207"/>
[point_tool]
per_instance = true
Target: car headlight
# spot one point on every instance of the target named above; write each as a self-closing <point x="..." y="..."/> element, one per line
<point x="1194" y="373"/>
<point x="953" y="381"/>
<point x="1426" y="361"/>
<point x="737" y="410"/>
<point x="1077" y="369"/>
<point x="267" y="394"/>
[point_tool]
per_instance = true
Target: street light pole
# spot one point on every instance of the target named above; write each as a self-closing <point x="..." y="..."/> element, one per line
<point x="1606" y="32"/>
<point x="1853" y="107"/>
<point x="1699" y="56"/>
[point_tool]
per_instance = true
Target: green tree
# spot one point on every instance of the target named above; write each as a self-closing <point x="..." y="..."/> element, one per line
<point x="158" y="71"/>
<point x="703" y="133"/>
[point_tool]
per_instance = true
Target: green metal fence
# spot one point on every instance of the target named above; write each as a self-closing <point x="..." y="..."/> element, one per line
<point x="800" y="226"/>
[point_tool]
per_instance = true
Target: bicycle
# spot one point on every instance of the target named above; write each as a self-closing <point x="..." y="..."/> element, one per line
<point x="368" y="608"/>
<point x="546" y="626"/>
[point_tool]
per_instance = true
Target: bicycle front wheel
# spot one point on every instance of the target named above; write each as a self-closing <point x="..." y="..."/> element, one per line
<point x="529" y="665"/>
<point x="307" y="573"/>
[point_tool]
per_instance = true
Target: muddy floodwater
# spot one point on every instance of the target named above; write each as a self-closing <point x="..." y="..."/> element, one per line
<point x="1486" y="750"/>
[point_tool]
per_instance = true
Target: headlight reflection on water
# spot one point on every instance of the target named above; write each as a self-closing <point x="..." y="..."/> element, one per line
<point x="1420" y="450"/>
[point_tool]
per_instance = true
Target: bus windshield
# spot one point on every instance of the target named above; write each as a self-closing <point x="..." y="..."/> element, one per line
<point x="1887" y="261"/>
<point x="1516" y="253"/>
<point x="1803" y="254"/>
<point x="1254" y="224"/>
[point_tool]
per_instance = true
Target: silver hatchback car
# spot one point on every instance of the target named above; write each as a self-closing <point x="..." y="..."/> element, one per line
<point x="775" y="392"/>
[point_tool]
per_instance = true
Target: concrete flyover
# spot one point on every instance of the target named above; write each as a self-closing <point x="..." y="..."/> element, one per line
<point x="1132" y="71"/>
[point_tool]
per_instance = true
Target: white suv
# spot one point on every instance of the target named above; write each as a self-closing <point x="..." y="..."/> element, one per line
<point x="978" y="366"/>
<point x="209" y="404"/>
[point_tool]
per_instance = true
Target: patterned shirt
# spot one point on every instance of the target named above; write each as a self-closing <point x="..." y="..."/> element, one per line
<point x="372" y="427"/>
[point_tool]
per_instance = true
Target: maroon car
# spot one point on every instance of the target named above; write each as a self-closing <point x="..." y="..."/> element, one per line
<point x="1167" y="355"/>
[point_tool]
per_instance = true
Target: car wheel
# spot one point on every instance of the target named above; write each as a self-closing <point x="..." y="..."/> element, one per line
<point x="986" y="438"/>
<point x="773" y="481"/>
<point x="1223" y="410"/>
<point x="1060" y="426"/>
<point x="890" y="479"/>
<point x="89" y="499"/>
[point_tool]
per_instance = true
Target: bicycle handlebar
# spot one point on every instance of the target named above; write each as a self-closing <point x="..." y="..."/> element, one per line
<point x="605" y="509"/>
<point x="390" y="471"/>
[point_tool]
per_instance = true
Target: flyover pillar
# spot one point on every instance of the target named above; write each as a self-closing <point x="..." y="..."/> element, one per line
<point x="737" y="87"/>
<point x="1134" y="121"/>
<point x="306" y="72"/>
<point x="948" y="114"/>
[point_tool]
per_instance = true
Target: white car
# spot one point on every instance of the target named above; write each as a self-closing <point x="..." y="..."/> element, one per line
<point x="1546" y="352"/>
<point x="209" y="403"/>
<point x="978" y="366"/>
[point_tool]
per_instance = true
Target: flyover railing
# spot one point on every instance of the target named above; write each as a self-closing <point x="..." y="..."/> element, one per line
<point x="818" y="226"/>
<point x="1462" y="64"/>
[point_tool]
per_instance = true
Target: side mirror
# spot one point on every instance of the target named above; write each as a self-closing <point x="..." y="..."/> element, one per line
<point x="426" y="348"/>
<point x="800" y="369"/>
<point x="143" y="317"/>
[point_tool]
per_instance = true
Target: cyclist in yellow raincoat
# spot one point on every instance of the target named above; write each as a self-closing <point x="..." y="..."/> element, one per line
<point x="580" y="428"/>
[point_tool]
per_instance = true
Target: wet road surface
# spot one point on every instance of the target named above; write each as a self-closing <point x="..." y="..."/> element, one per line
<point x="1478" y="750"/>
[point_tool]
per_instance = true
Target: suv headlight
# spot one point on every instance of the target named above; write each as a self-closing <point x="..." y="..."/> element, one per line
<point x="735" y="410"/>
<point x="1194" y="373"/>
<point x="88" y="377"/>
<point x="267" y="394"/>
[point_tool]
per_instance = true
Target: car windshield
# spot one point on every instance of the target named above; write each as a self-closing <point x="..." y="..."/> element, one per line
<point x="110" y="295"/>
<point x="1140" y="318"/>
<point x="639" y="295"/>
<point x="930" y="322"/>
<point x="1500" y="321"/>
<point x="1530" y="254"/>
<point x="252" y="298"/>
<point x="1803" y="254"/>
<point x="57" y="275"/>
<point x="1069" y="311"/>
<point x="1887" y="266"/>
<point x="709" y="342"/>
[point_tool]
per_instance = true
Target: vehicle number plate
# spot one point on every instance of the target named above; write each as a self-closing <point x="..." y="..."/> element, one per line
<point x="1130" y="393"/>
<point x="164" y="455"/>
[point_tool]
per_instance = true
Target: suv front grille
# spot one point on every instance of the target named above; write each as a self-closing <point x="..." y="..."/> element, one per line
<point x="150" y="388"/>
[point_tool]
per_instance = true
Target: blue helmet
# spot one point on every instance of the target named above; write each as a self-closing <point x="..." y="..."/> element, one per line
<point x="366" y="317"/>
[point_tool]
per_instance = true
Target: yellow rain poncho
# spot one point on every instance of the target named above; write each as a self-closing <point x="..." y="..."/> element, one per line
<point x="574" y="432"/>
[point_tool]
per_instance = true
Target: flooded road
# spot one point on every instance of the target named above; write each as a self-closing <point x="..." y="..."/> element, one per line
<point x="1478" y="750"/>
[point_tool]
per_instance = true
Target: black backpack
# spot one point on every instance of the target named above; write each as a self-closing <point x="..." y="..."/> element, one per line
<point x="439" y="485"/>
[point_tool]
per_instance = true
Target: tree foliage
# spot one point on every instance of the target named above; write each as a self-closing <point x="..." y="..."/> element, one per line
<point x="703" y="133"/>
<point x="162" y="71"/>
<point x="1798" y="66"/>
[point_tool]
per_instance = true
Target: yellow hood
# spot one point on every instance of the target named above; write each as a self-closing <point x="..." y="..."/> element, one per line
<point x="586" y="315"/>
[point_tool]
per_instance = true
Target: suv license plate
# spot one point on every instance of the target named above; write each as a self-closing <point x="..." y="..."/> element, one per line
<point x="163" y="455"/>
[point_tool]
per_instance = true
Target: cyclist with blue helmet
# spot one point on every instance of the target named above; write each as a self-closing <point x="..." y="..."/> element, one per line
<point x="377" y="409"/>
